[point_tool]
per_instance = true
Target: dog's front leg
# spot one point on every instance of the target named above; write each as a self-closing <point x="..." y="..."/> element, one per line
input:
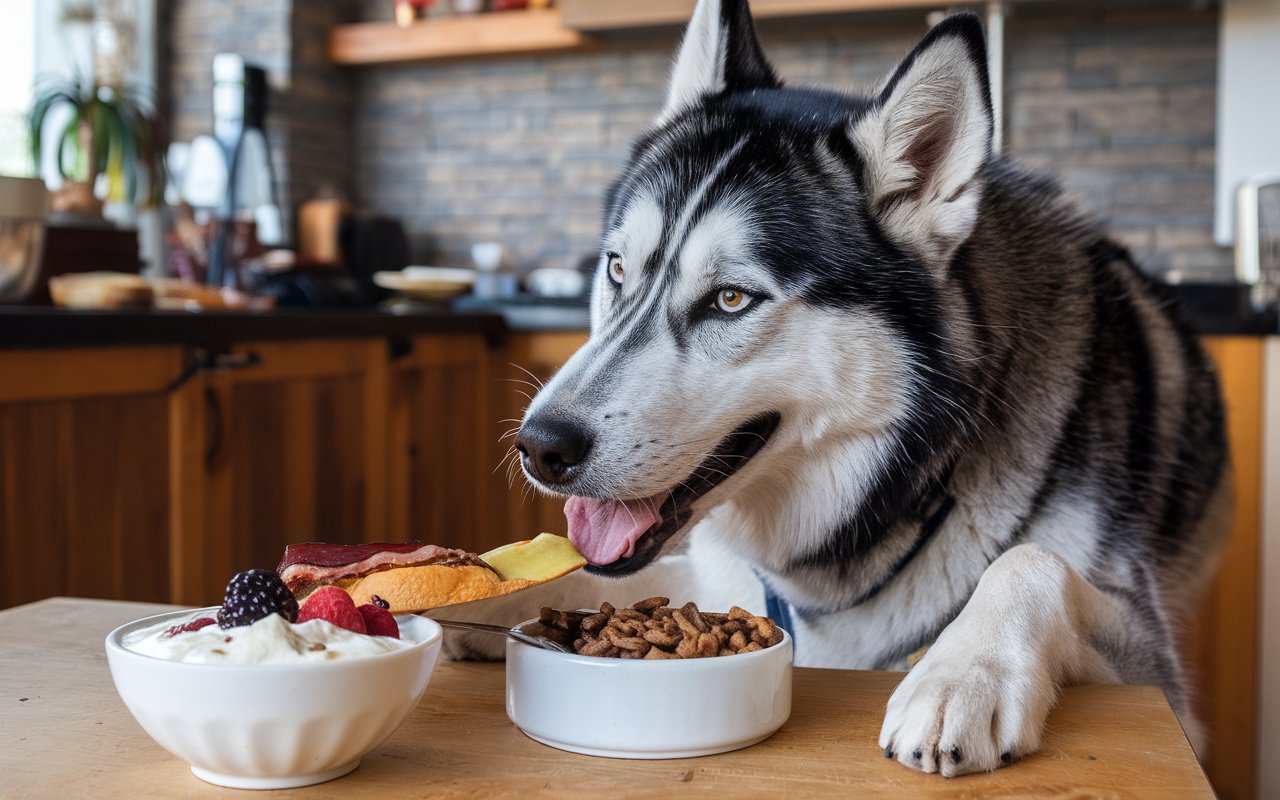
<point x="980" y="696"/>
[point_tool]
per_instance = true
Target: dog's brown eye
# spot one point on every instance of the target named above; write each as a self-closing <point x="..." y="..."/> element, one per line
<point x="616" y="271"/>
<point x="731" y="301"/>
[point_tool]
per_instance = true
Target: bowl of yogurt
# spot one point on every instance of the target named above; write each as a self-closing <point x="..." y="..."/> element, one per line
<point x="274" y="704"/>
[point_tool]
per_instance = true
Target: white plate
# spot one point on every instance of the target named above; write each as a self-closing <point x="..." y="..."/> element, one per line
<point x="427" y="283"/>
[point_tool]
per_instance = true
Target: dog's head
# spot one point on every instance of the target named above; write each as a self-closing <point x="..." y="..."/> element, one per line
<point x="767" y="285"/>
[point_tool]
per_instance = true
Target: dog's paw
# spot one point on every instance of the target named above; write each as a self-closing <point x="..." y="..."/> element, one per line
<point x="957" y="713"/>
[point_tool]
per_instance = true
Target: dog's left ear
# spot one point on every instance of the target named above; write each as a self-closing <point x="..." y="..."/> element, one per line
<point x="720" y="52"/>
<point x="927" y="137"/>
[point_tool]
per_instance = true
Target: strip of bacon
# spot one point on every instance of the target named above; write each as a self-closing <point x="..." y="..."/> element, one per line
<point x="317" y="562"/>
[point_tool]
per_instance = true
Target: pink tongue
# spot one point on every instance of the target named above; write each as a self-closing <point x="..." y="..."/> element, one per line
<point x="607" y="530"/>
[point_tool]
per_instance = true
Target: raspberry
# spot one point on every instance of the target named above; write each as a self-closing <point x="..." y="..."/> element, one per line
<point x="378" y="621"/>
<point x="332" y="605"/>
<point x="193" y="625"/>
<point x="253" y="595"/>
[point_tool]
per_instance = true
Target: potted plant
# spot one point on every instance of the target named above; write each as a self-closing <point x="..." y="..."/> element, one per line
<point x="111" y="132"/>
<point x="111" y="129"/>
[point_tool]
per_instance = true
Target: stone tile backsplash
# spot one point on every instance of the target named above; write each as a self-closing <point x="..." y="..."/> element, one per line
<point x="1118" y="104"/>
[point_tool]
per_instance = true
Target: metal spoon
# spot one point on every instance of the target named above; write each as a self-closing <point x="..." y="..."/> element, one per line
<point x="514" y="633"/>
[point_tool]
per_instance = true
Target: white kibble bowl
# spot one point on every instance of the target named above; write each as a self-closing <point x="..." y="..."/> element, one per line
<point x="273" y="726"/>
<point x="621" y="708"/>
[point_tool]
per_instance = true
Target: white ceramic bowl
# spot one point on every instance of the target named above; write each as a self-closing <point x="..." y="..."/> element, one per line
<point x="273" y="726"/>
<point x="674" y="708"/>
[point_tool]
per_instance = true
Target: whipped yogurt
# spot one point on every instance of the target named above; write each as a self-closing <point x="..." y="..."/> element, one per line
<point x="270" y="640"/>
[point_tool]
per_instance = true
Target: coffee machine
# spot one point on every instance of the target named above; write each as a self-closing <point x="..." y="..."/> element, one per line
<point x="239" y="127"/>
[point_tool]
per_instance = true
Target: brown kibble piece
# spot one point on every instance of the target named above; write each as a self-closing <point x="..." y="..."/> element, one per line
<point x="656" y="653"/>
<point x="661" y="639"/>
<point x="692" y="613"/>
<point x="650" y="604"/>
<point x="686" y="626"/>
<point x="737" y="641"/>
<point x="740" y="613"/>
<point x="708" y="645"/>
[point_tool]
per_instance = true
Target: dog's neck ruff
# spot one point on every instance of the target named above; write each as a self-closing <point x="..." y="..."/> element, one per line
<point x="937" y="505"/>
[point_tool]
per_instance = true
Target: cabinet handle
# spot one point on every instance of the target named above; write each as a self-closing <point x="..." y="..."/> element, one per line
<point x="233" y="360"/>
<point x="207" y="361"/>
<point x="214" y="445"/>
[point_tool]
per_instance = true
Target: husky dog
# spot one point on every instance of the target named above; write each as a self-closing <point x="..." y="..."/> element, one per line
<point x="908" y="396"/>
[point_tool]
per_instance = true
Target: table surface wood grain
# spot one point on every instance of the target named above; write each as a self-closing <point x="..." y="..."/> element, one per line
<point x="65" y="733"/>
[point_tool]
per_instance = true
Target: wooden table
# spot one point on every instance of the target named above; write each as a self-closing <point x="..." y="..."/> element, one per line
<point x="64" y="733"/>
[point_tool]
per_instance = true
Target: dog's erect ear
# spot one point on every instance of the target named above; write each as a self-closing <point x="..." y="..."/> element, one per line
<point x="720" y="52"/>
<point x="926" y="138"/>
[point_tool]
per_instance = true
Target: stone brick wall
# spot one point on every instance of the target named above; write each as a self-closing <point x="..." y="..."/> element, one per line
<point x="1120" y="105"/>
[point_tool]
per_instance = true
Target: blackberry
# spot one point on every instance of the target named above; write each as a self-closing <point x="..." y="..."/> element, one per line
<point x="253" y="595"/>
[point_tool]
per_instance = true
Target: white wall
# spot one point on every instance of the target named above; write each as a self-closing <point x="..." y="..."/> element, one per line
<point x="1248" y="102"/>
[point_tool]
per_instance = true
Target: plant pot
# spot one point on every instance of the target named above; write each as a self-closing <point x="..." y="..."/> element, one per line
<point x="75" y="197"/>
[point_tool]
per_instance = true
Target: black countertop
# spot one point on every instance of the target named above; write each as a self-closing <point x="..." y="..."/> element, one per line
<point x="28" y="327"/>
<point x="25" y="327"/>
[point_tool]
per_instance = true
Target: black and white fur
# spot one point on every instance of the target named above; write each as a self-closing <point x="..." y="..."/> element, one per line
<point x="922" y="320"/>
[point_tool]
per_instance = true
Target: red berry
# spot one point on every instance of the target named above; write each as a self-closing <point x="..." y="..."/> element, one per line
<point x="193" y="625"/>
<point x="378" y="621"/>
<point x="333" y="605"/>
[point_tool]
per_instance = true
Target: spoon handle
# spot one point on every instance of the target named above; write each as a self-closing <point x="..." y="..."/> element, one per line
<point x="518" y="635"/>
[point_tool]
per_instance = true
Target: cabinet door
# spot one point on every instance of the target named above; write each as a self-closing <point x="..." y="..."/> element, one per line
<point x="83" y="465"/>
<point x="1221" y="644"/>
<point x="528" y="362"/>
<point x="285" y="443"/>
<point x="441" y="475"/>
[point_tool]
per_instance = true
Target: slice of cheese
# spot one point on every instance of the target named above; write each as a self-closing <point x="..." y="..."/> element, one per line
<point x="542" y="558"/>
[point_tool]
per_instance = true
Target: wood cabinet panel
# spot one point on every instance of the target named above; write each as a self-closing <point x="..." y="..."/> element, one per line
<point x="441" y="476"/>
<point x="1222" y="642"/>
<point x="292" y="449"/>
<point x="528" y="361"/>
<point x="83" y="506"/>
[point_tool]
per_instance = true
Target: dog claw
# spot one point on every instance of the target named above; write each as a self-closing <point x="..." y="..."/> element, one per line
<point x="956" y="758"/>
<point x="1006" y="758"/>
<point x="888" y="752"/>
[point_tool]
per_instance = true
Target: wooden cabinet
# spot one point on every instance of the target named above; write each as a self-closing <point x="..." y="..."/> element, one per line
<point x="155" y="473"/>
<point x="276" y="443"/>
<point x="528" y="362"/>
<point x="83" y="460"/>
<point x="440" y="478"/>
<point x="1222" y="644"/>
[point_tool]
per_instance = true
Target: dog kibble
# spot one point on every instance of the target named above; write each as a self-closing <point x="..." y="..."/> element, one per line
<point x="651" y="629"/>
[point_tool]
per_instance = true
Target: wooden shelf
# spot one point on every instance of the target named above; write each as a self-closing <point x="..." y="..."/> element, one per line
<point x="611" y="15"/>
<point x="501" y="33"/>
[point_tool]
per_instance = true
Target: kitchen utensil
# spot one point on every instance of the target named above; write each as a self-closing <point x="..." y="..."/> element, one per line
<point x="1258" y="239"/>
<point x="514" y="633"/>
<point x="24" y="207"/>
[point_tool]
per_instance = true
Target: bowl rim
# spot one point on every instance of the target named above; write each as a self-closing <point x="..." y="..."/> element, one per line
<point x="786" y="645"/>
<point x="115" y="643"/>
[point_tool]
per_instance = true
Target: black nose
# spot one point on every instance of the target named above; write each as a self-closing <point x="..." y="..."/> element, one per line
<point x="550" y="445"/>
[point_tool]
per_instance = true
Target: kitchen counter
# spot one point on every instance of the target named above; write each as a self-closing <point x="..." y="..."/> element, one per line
<point x="66" y="732"/>
<point x="28" y="327"/>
